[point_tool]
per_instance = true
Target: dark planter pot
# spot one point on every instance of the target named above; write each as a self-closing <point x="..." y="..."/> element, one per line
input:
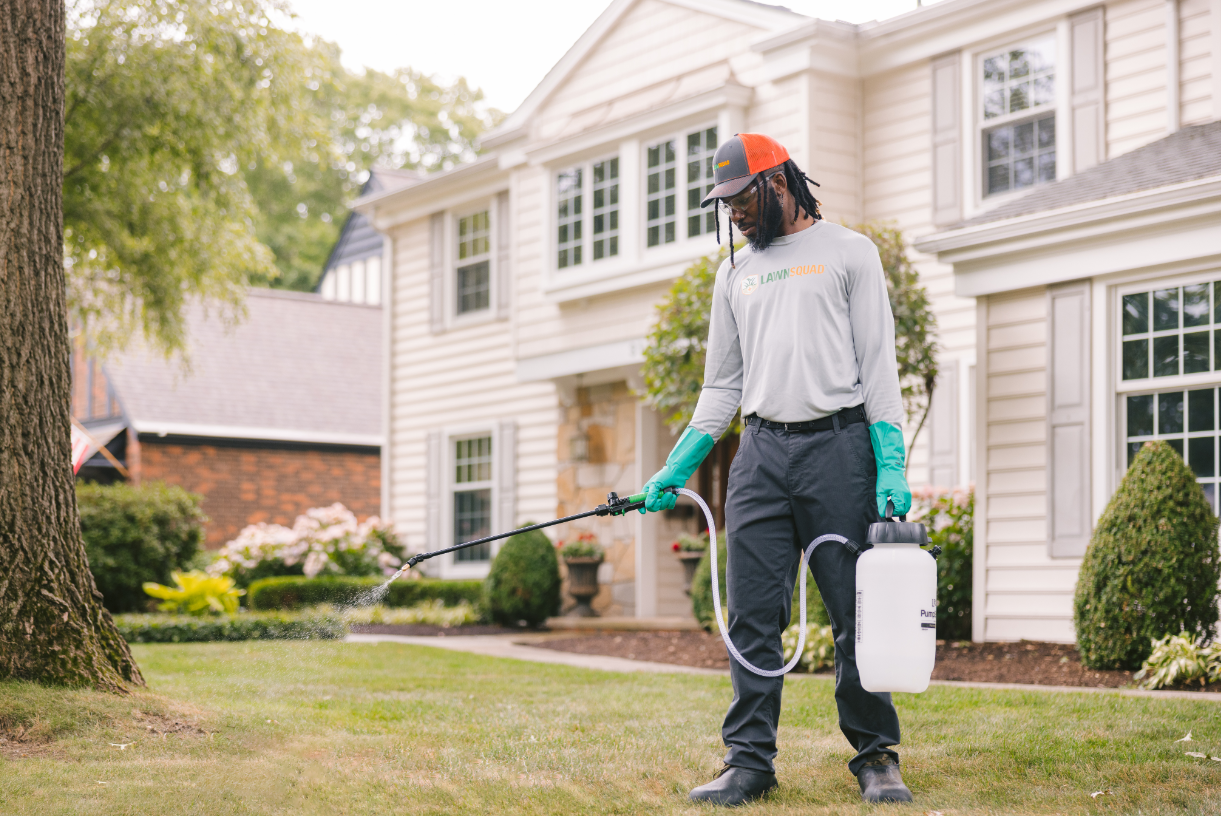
<point x="582" y="585"/>
<point x="690" y="560"/>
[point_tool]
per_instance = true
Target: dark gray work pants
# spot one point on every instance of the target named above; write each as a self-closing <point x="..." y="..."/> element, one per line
<point x="787" y="488"/>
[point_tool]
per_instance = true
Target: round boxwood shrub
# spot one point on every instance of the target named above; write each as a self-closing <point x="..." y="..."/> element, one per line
<point x="137" y="534"/>
<point x="524" y="582"/>
<point x="701" y="592"/>
<point x="1152" y="566"/>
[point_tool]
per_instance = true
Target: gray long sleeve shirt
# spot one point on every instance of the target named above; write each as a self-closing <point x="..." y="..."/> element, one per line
<point x="800" y="331"/>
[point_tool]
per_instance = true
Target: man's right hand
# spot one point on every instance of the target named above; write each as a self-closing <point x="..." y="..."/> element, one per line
<point x="683" y="461"/>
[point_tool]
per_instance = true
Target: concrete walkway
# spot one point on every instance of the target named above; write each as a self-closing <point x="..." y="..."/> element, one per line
<point x="518" y="647"/>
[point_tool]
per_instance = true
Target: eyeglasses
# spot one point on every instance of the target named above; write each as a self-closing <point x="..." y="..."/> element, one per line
<point x="742" y="200"/>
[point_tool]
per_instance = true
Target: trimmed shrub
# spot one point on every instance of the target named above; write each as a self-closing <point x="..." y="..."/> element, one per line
<point x="524" y="582"/>
<point x="243" y="626"/>
<point x="1152" y="565"/>
<point x="135" y="535"/>
<point x="295" y="592"/>
<point x="701" y="593"/>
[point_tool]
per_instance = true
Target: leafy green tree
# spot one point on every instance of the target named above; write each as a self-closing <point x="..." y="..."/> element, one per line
<point x="207" y="149"/>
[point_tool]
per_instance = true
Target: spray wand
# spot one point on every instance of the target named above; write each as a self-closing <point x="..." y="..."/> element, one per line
<point x="615" y="506"/>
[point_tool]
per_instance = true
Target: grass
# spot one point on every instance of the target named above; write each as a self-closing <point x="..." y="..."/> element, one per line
<point x="337" y="728"/>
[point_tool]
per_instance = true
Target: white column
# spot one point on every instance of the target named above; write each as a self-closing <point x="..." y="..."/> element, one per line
<point x="631" y="202"/>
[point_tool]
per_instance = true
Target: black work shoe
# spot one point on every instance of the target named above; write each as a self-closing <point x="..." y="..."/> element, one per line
<point x="880" y="781"/>
<point x="734" y="786"/>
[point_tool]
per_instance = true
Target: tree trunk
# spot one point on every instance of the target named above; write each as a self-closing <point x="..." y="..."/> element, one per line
<point x="53" y="628"/>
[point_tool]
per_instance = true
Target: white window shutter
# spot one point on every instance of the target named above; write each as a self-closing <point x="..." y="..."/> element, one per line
<point x="947" y="139"/>
<point x="1086" y="78"/>
<point x="506" y="476"/>
<point x="943" y="428"/>
<point x="1068" y="414"/>
<point x="436" y="273"/>
<point x="434" y="484"/>
<point x="504" y="268"/>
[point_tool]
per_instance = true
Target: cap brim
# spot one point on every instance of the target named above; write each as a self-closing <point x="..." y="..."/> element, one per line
<point x="728" y="189"/>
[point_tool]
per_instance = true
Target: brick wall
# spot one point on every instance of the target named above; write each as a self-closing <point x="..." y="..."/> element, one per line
<point x="246" y="485"/>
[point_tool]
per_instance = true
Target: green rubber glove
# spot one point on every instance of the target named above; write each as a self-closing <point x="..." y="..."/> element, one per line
<point x="888" y="453"/>
<point x="691" y="449"/>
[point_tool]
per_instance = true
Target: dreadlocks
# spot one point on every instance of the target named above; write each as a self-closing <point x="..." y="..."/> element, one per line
<point x="768" y="220"/>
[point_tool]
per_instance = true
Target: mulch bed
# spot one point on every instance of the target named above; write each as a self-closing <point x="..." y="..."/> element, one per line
<point x="1029" y="662"/>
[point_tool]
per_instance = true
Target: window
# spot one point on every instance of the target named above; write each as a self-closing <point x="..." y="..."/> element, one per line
<point x="474" y="278"/>
<point x="587" y="233"/>
<point x="606" y="209"/>
<point x="1168" y="333"/>
<point x="1019" y="131"/>
<point x="701" y="146"/>
<point x="568" y="218"/>
<point x="472" y="497"/>
<point x="659" y="191"/>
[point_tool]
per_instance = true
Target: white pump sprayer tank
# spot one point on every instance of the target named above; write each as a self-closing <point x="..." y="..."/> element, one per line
<point x="896" y="609"/>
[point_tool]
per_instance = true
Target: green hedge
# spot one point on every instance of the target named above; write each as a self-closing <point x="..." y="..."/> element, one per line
<point x="243" y="626"/>
<point x="292" y="592"/>
<point x="137" y="534"/>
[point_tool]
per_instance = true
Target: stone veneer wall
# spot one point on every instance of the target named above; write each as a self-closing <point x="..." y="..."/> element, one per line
<point x="606" y="415"/>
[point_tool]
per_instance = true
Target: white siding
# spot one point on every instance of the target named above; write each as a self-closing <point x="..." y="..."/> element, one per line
<point x="655" y="41"/>
<point x="897" y="186"/>
<point x="1135" y="74"/>
<point x="1196" y="30"/>
<point x="430" y="392"/>
<point x="1028" y="593"/>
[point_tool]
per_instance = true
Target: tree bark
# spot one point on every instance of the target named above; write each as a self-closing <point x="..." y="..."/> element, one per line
<point x="53" y="628"/>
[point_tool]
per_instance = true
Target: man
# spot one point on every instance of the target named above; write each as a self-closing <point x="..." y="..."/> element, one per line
<point x="801" y="337"/>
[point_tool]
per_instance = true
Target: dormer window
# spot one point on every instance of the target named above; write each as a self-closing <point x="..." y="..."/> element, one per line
<point x="474" y="278"/>
<point x="1018" y="97"/>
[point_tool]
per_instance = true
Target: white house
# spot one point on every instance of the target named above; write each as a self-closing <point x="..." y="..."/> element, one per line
<point x="521" y="286"/>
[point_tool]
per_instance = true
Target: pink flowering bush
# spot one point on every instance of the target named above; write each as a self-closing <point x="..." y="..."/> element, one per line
<point x="322" y="541"/>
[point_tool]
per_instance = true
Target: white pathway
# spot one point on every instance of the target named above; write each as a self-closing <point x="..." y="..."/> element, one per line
<point x="518" y="647"/>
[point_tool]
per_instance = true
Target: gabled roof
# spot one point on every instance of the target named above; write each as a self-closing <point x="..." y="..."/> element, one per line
<point x="296" y="368"/>
<point x="357" y="238"/>
<point x="769" y="17"/>
<point x="1191" y="154"/>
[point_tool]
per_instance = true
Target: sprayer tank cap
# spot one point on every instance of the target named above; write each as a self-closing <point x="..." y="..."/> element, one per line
<point x="897" y="532"/>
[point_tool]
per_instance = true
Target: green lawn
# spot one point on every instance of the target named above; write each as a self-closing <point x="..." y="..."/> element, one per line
<point x="325" y="727"/>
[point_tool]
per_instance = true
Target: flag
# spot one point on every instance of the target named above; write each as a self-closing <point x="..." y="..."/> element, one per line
<point x="82" y="447"/>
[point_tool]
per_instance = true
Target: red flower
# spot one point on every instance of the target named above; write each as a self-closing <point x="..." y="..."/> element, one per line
<point x="675" y="546"/>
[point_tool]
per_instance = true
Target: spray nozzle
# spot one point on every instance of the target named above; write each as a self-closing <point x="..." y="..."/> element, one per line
<point x="616" y="506"/>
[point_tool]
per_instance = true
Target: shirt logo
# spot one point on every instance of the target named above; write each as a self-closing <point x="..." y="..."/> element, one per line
<point x="753" y="282"/>
<point x="750" y="284"/>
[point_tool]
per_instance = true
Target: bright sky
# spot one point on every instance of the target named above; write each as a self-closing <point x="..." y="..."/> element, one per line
<point x="506" y="48"/>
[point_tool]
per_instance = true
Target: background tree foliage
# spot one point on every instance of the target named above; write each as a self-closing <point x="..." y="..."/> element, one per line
<point x="207" y="148"/>
<point x="674" y="356"/>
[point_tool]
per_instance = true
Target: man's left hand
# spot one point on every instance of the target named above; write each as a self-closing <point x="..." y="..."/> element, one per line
<point x="890" y="456"/>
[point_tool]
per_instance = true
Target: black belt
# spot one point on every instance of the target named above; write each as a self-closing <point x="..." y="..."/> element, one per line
<point x="848" y="416"/>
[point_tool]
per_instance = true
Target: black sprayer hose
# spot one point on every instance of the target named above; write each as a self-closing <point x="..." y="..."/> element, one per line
<point x="614" y="506"/>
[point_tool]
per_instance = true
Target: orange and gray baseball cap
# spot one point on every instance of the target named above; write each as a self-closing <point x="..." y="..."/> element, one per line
<point x="739" y="160"/>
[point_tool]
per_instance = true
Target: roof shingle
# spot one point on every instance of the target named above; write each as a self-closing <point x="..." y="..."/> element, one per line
<point x="295" y="363"/>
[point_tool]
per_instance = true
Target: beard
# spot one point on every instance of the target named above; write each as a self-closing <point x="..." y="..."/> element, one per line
<point x="767" y="225"/>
